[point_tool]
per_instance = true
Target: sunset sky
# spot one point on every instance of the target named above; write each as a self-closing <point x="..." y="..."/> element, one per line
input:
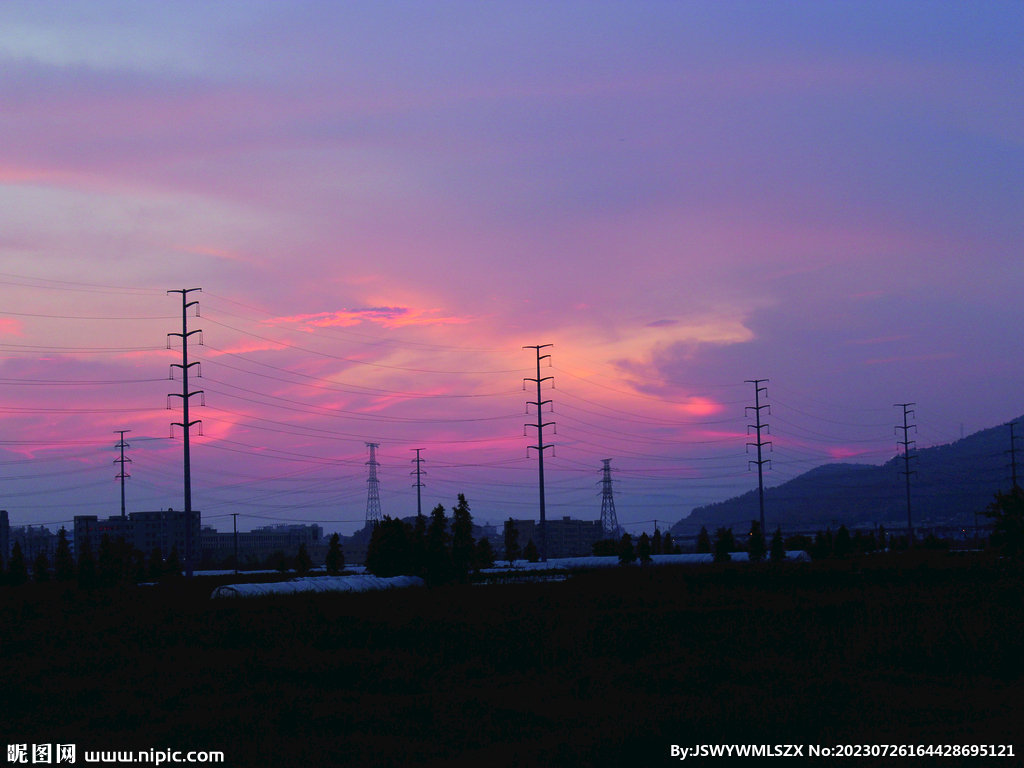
<point x="384" y="202"/>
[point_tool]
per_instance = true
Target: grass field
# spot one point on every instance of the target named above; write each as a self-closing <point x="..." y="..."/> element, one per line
<point x="608" y="667"/>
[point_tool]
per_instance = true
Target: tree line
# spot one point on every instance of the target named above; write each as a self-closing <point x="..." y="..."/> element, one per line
<point x="115" y="561"/>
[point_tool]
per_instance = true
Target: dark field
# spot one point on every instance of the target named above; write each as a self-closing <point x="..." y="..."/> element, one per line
<point x="606" y="668"/>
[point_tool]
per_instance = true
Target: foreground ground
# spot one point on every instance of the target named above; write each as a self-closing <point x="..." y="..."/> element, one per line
<point x="605" y="668"/>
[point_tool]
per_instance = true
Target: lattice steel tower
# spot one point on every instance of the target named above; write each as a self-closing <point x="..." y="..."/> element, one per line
<point x="123" y="474"/>
<point x="373" y="487"/>
<point x="609" y="522"/>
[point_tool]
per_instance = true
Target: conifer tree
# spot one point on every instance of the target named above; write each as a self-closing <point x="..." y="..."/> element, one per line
<point x="530" y="552"/>
<point x="667" y="545"/>
<point x="172" y="567"/>
<point x="63" y="561"/>
<point x="627" y="555"/>
<point x="843" y="544"/>
<point x="778" y="553"/>
<point x="155" y="568"/>
<point x="86" y="566"/>
<point x="703" y="541"/>
<point x="483" y="555"/>
<point x="418" y="545"/>
<point x="870" y="544"/>
<point x="3" y="571"/>
<point x="882" y="542"/>
<point x="1007" y="515"/>
<point x="335" y="557"/>
<point x="138" y="566"/>
<point x="821" y="549"/>
<point x="106" y="567"/>
<point x="725" y="543"/>
<point x="389" y="553"/>
<point x="462" y="538"/>
<point x="41" y="568"/>
<point x="512" y="551"/>
<point x="438" y="555"/>
<point x="303" y="562"/>
<point x="643" y="549"/>
<point x="656" y="543"/>
<point x="756" y="548"/>
<point x="17" y="572"/>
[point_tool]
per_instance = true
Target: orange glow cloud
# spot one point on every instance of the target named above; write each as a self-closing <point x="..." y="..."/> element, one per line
<point x="11" y="327"/>
<point x="700" y="406"/>
<point x="388" y="317"/>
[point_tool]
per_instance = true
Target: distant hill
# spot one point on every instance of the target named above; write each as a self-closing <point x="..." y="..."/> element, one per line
<point x="953" y="482"/>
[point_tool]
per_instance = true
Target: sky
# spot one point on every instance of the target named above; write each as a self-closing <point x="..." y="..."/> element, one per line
<point x="384" y="203"/>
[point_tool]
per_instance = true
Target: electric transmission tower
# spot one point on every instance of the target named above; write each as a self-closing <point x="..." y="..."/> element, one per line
<point x="185" y="424"/>
<point x="372" y="488"/>
<point x="540" y="446"/>
<point x="418" y="485"/>
<point x="122" y="475"/>
<point x="1013" y="455"/>
<point x="758" y="426"/>
<point x="908" y="445"/>
<point x="609" y="521"/>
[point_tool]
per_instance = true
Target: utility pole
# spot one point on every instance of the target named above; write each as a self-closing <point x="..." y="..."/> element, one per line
<point x="1012" y="452"/>
<point x="372" y="488"/>
<point x="419" y="483"/>
<point x="609" y="521"/>
<point x="758" y="426"/>
<point x="907" y="445"/>
<point x="122" y="475"/>
<point x="234" y="525"/>
<point x="540" y="443"/>
<point x="185" y="424"/>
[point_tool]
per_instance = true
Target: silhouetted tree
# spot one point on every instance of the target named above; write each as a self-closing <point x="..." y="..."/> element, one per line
<point x="438" y="556"/>
<point x="667" y="545"/>
<point x="606" y="548"/>
<point x="63" y="561"/>
<point x="933" y="542"/>
<point x="483" y="555"/>
<point x="882" y="543"/>
<point x="512" y="551"/>
<point x="778" y="552"/>
<point x="843" y="544"/>
<point x="725" y="543"/>
<point x="799" y="543"/>
<point x="41" y="568"/>
<point x="870" y="544"/>
<point x="643" y="549"/>
<point x="627" y="555"/>
<point x="858" y="542"/>
<point x="303" y="562"/>
<point x="138" y="566"/>
<point x="17" y="572"/>
<point x="86" y="566"/>
<point x="106" y="569"/>
<point x="335" y="557"/>
<point x="656" y="542"/>
<point x="390" y="551"/>
<point x="418" y="545"/>
<point x="530" y="552"/>
<point x="462" y="538"/>
<point x="756" y="546"/>
<point x="703" y="541"/>
<point x="3" y="570"/>
<point x="820" y="549"/>
<point x="172" y="566"/>
<point x="1007" y="515"/>
<point x="155" y="569"/>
